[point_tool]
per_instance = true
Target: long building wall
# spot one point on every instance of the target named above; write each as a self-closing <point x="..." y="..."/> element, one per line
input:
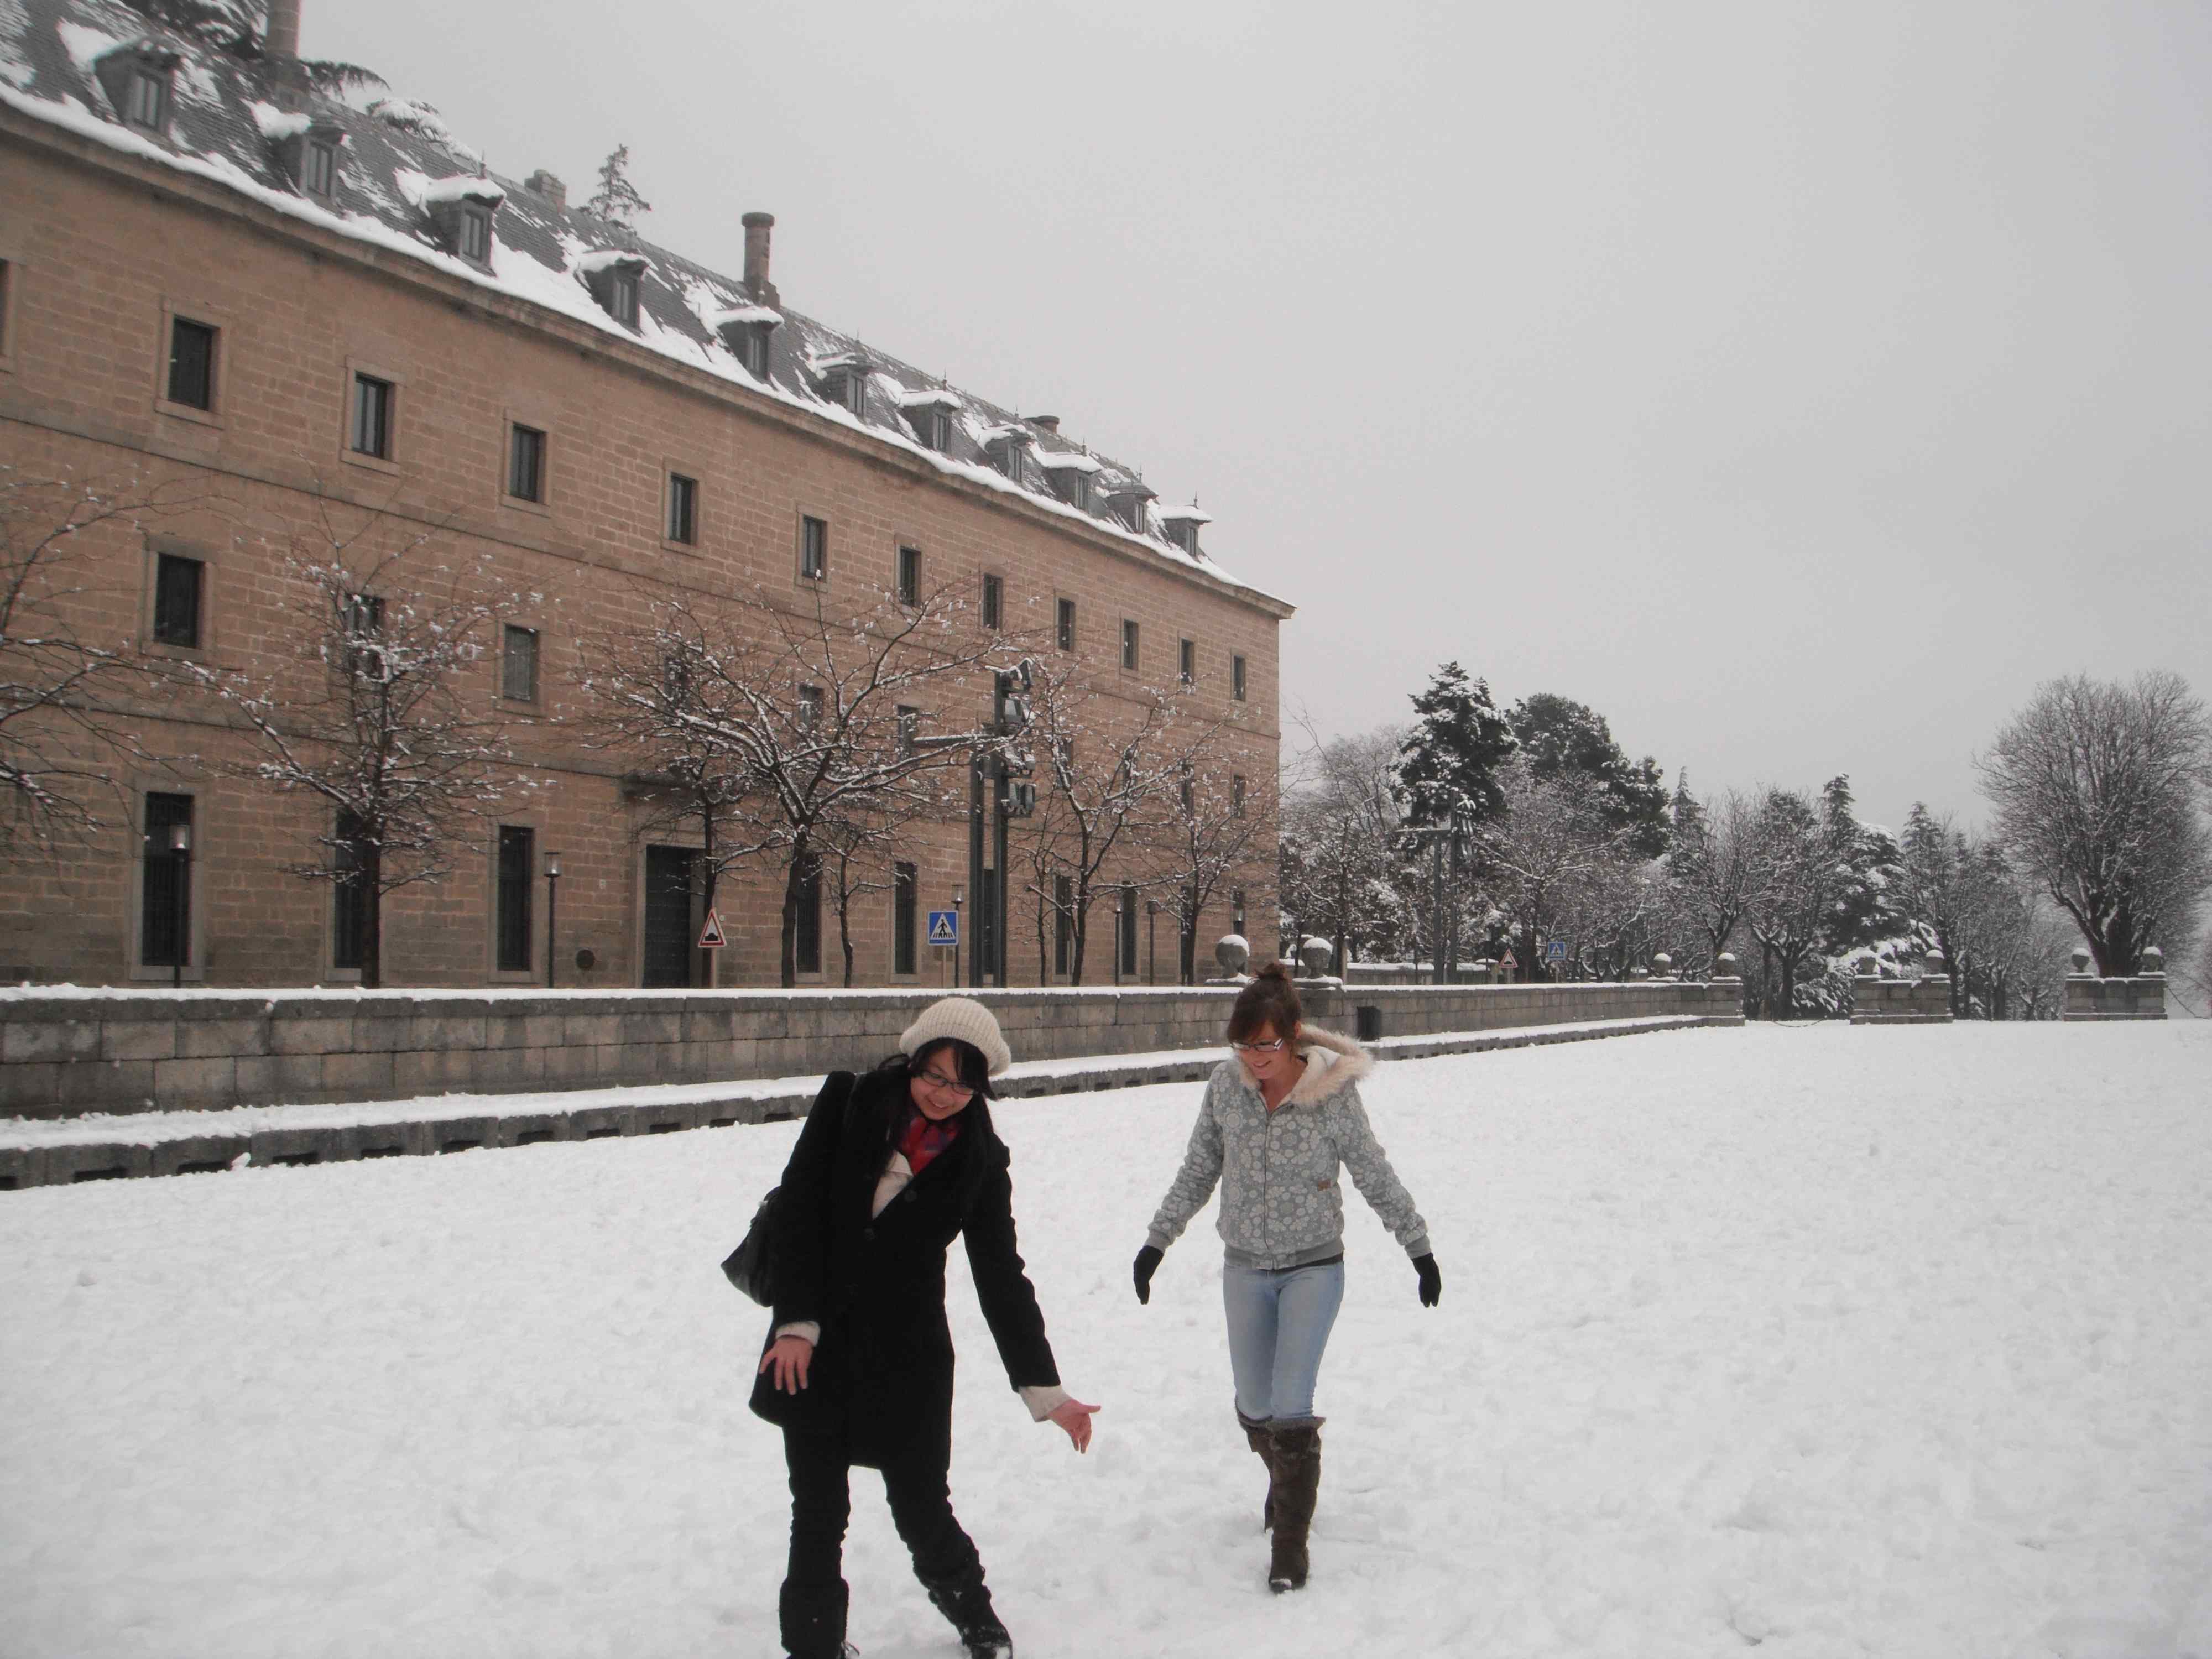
<point x="62" y="1054"/>
<point x="102" y="251"/>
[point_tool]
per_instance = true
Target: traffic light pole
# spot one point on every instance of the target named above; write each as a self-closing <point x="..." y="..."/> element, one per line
<point x="1004" y="760"/>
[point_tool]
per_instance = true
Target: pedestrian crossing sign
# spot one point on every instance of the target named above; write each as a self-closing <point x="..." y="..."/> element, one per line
<point x="710" y="936"/>
<point x="945" y="928"/>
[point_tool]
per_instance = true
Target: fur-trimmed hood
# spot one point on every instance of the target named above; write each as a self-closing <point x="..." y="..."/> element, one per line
<point x="1334" y="1064"/>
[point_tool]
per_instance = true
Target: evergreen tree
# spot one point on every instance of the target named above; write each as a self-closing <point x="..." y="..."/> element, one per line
<point x="1559" y="735"/>
<point x="1448" y="762"/>
<point x="616" y="200"/>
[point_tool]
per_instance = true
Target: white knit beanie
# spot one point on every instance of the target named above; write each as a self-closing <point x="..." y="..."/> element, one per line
<point x="962" y="1017"/>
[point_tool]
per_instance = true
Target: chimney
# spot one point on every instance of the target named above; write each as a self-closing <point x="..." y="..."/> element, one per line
<point x="757" y="226"/>
<point x="283" y="45"/>
<point x="1045" y="424"/>
<point x="542" y="183"/>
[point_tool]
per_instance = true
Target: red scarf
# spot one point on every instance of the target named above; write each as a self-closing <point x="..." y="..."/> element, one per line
<point x="920" y="1141"/>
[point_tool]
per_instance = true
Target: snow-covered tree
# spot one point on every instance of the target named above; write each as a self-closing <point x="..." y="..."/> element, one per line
<point x="1558" y="734"/>
<point x="1821" y="885"/>
<point x="65" y="723"/>
<point x="1343" y="877"/>
<point x="1541" y="856"/>
<point x="616" y="200"/>
<point x="1710" y="863"/>
<point x="366" y="713"/>
<point x="781" y="730"/>
<point x="2099" y="791"/>
<point x="1205" y="837"/>
<point x="1447" y="764"/>
<point x="238" y="29"/>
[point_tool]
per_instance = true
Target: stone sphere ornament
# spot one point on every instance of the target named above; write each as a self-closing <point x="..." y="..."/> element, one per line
<point x="1231" y="951"/>
<point x="1314" y="954"/>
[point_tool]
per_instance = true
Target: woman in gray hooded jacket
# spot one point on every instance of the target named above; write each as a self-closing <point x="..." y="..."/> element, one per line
<point x="1279" y="1120"/>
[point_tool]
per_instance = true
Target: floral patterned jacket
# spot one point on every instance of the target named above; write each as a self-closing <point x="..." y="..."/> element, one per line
<point x="1281" y="1203"/>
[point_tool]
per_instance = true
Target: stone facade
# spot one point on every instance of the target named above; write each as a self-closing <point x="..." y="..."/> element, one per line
<point x="102" y="249"/>
<point x="63" y="1054"/>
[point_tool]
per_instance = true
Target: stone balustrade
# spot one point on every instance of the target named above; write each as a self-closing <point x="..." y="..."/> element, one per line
<point x="2138" y="996"/>
<point x="1925" y="1001"/>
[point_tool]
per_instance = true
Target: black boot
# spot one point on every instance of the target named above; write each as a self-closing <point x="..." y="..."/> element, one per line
<point x="1257" y="1437"/>
<point x="965" y="1601"/>
<point x="813" y="1621"/>
<point x="1298" y="1486"/>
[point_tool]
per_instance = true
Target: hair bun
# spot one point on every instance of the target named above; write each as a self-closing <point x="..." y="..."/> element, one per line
<point x="1274" y="969"/>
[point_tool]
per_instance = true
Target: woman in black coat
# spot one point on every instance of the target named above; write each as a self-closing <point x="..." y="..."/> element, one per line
<point x="858" y="1369"/>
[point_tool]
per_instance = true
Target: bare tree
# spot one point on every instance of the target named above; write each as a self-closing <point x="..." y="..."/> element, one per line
<point x="1343" y="874"/>
<point x="1553" y="840"/>
<point x="1710" y="863"/>
<point x="2099" y="791"/>
<point x="366" y="715"/>
<point x="1820" y="882"/>
<point x="62" y="728"/>
<point x="784" y="730"/>
<point x="1097" y="789"/>
<point x="1207" y="833"/>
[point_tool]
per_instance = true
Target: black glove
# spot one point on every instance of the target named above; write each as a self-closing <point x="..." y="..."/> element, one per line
<point x="1432" y="1282"/>
<point x="1147" y="1259"/>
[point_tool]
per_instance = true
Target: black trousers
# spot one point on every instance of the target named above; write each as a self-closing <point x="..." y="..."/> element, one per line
<point x="822" y="1502"/>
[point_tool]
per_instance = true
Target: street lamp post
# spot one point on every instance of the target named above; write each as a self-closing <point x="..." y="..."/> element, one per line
<point x="180" y="858"/>
<point x="958" y="898"/>
<point x="552" y="909"/>
<point x="1152" y="943"/>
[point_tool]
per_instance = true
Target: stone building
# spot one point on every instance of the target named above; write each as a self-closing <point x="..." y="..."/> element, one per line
<point x="272" y="323"/>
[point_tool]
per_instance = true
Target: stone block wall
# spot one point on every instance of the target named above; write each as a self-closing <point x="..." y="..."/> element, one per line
<point x="1923" y="1002"/>
<point x="65" y="1053"/>
<point x="2087" y="997"/>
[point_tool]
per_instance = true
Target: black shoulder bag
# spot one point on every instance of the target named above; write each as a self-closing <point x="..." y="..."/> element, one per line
<point x="747" y="1266"/>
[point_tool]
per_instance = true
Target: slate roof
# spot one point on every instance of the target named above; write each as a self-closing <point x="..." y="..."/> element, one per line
<point x="223" y="110"/>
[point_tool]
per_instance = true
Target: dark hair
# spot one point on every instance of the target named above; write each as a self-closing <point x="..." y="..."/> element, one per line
<point x="1269" y="1000"/>
<point x="968" y="1064"/>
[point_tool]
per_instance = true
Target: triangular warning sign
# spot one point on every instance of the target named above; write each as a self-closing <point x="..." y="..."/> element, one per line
<point x="710" y="936"/>
<point x="943" y="930"/>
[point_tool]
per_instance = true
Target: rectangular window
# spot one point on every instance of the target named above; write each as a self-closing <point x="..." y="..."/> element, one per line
<point x="475" y="241"/>
<point x="319" y="170"/>
<point x="995" y="602"/>
<point x="810" y="704"/>
<point x="349" y="896"/>
<point x="147" y="106"/>
<point x="756" y="352"/>
<point x="177" y="583"/>
<point x="371" y="417"/>
<point x="1187" y="795"/>
<point x="1187" y="665"/>
<point x="7" y="293"/>
<point x="1066" y="631"/>
<point x="518" y="665"/>
<point x="814" y="548"/>
<point x="1063" y="922"/>
<point x="909" y="575"/>
<point x="683" y="509"/>
<point x="1126" y="921"/>
<point x="192" y="364"/>
<point x="622" y="297"/>
<point x="517" y="856"/>
<point x="1129" y="645"/>
<point x="1236" y="677"/>
<point x="165" y="892"/>
<point x="909" y="728"/>
<point x="905" y="885"/>
<point x="806" y="944"/>
<point x="1237" y="912"/>
<point x="1236" y="797"/>
<point x="525" y="463"/>
<point x="364" y="623"/>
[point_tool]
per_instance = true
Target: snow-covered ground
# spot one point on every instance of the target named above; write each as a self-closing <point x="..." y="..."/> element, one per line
<point x="1827" y="1341"/>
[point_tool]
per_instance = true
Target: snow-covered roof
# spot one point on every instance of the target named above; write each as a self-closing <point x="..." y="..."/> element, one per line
<point x="744" y="317"/>
<point x="1184" y="514"/>
<point x="400" y="159"/>
<point x="1068" y="460"/>
<point x="276" y="124"/>
<point x="608" y="259"/>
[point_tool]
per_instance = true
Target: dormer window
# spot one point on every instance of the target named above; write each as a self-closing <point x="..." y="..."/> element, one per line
<point x="1006" y="445"/>
<point x="1069" y="472"/>
<point x="1131" y="504"/>
<point x="616" y="278"/>
<point x="1181" y="524"/>
<point x="745" y="330"/>
<point x="137" y="79"/>
<point x="306" y="149"/>
<point x="930" y="414"/>
<point x="462" y="209"/>
<point x="319" y="169"/>
<point x="844" y="382"/>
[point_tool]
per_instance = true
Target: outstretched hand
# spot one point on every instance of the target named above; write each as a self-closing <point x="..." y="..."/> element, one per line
<point x="1147" y="1259"/>
<point x="1074" y="1417"/>
<point x="792" y="1357"/>
<point x="1433" y="1281"/>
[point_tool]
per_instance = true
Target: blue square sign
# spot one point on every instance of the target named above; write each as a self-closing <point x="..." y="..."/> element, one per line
<point x="945" y="928"/>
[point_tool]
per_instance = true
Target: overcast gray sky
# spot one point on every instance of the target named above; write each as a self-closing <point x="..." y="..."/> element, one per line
<point x="1797" y="385"/>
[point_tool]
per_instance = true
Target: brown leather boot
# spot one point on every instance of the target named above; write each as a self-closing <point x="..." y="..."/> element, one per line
<point x="1298" y="1485"/>
<point x="1256" y="1436"/>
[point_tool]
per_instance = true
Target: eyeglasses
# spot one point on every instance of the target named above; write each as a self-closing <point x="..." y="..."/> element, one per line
<point x="1274" y="1047"/>
<point x="949" y="1085"/>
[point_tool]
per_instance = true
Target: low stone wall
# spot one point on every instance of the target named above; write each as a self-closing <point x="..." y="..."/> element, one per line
<point x="64" y="1052"/>
<point x="2087" y="997"/>
<point x="1923" y="1002"/>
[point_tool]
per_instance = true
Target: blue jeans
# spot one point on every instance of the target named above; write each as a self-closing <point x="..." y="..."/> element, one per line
<point x="1279" y="1325"/>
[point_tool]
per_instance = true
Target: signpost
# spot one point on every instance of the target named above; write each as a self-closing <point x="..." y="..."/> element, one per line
<point x="1556" y="951"/>
<point x="710" y="936"/>
<point x="945" y="928"/>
